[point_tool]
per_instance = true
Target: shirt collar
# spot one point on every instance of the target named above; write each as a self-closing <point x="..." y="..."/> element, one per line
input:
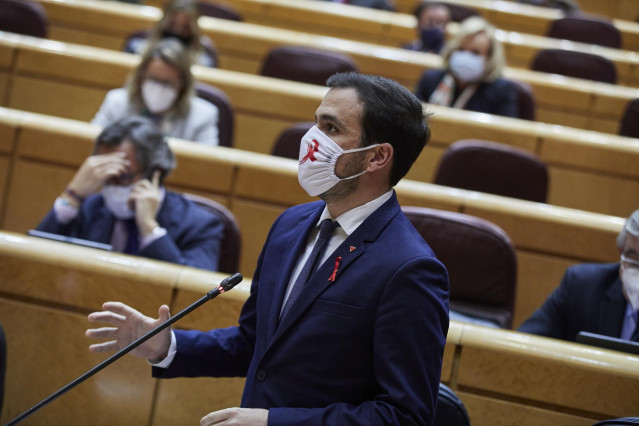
<point x="349" y="221"/>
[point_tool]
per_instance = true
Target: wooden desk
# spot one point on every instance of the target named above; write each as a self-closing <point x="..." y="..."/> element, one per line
<point x="513" y="16"/>
<point x="242" y="47"/>
<point x="47" y="288"/>
<point x="394" y="29"/>
<point x="621" y="9"/>
<point x="257" y="188"/>
<point x="589" y="170"/>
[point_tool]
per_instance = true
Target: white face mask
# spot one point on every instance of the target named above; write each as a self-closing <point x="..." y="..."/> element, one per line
<point x="158" y="97"/>
<point x="466" y="66"/>
<point x="630" y="282"/>
<point x="116" y="200"/>
<point x="318" y="156"/>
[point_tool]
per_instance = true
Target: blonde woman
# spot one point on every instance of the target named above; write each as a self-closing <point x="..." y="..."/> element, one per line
<point x="161" y="88"/>
<point x="180" y="22"/>
<point x="471" y="78"/>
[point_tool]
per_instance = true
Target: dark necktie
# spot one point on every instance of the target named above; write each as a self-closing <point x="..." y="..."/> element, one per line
<point x="326" y="231"/>
<point x="132" y="237"/>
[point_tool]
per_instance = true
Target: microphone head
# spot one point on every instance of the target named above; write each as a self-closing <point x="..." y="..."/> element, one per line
<point x="231" y="281"/>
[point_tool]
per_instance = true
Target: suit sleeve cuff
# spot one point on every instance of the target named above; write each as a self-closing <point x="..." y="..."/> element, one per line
<point x="166" y="362"/>
<point x="157" y="233"/>
<point x="63" y="211"/>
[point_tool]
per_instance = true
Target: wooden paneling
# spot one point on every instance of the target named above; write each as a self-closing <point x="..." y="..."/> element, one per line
<point x="486" y="411"/>
<point x="46" y="349"/>
<point x="55" y="98"/>
<point x="255" y="220"/>
<point x="24" y="208"/>
<point x="537" y="276"/>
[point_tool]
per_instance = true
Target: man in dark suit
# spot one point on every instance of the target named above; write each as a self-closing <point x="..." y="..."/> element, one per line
<point x="117" y="197"/>
<point x="601" y="298"/>
<point x="432" y="20"/>
<point x="359" y="340"/>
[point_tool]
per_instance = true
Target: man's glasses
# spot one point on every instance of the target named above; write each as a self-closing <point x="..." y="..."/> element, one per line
<point x="630" y="262"/>
<point x="124" y="179"/>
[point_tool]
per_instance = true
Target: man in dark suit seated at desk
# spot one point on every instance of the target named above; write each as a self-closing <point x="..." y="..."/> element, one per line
<point x="601" y="298"/>
<point x="117" y="197"/>
<point x="348" y="312"/>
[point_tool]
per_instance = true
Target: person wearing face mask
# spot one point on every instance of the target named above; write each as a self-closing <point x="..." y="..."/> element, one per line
<point x="471" y="78"/>
<point x="432" y="19"/>
<point x="161" y="88"/>
<point x="348" y="312"/>
<point x="600" y="298"/>
<point x="117" y="197"/>
<point x="179" y="21"/>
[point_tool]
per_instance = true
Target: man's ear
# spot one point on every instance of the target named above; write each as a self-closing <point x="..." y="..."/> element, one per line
<point x="382" y="157"/>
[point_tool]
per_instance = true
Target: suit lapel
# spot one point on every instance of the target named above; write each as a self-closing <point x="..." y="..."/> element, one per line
<point x="612" y="309"/>
<point x="367" y="232"/>
<point x="297" y="235"/>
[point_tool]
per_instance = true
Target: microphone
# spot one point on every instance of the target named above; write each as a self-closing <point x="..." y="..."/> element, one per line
<point x="227" y="284"/>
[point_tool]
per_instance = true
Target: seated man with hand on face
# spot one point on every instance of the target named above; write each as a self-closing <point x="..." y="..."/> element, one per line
<point x="117" y="197"/>
<point x="600" y="298"/>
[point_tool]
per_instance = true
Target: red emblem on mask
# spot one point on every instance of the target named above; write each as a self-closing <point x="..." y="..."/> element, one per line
<point x="312" y="149"/>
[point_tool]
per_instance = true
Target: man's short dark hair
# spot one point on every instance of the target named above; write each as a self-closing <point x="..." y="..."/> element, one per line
<point x="392" y="114"/>
<point x="427" y="5"/>
<point x="151" y="148"/>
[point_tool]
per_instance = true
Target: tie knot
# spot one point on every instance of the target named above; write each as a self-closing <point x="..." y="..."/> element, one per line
<point x="327" y="227"/>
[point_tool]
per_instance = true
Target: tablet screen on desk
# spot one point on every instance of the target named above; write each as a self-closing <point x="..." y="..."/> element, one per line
<point x="71" y="240"/>
<point x="607" y="342"/>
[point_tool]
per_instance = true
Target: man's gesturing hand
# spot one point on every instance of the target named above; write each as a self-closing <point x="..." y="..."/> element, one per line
<point x="127" y="325"/>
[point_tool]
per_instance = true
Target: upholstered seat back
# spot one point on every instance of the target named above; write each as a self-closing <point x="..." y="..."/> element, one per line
<point x="231" y="244"/>
<point x="306" y="65"/>
<point x="495" y="168"/>
<point x="575" y="64"/>
<point x="480" y="260"/>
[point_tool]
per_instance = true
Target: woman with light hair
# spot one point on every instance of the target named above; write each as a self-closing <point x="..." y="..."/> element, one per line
<point x="161" y="88"/>
<point x="471" y="78"/>
<point x="179" y="21"/>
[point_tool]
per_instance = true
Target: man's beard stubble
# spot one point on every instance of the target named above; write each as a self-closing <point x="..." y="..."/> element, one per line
<point x="346" y="187"/>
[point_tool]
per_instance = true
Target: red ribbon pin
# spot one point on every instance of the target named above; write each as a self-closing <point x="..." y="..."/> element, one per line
<point x="338" y="261"/>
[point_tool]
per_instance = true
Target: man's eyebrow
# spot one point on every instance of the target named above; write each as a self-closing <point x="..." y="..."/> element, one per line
<point x="331" y="118"/>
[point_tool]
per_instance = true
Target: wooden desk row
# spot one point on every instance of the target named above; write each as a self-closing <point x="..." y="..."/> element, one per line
<point x="620" y="9"/>
<point x="513" y="16"/>
<point x="394" y="29"/>
<point x="40" y="154"/>
<point x="589" y="170"/>
<point x="560" y="100"/>
<point x="242" y="47"/>
<point x="47" y="288"/>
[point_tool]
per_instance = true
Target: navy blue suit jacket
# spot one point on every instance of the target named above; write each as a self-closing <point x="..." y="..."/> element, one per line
<point x="589" y="298"/>
<point x="365" y="349"/>
<point x="193" y="234"/>
<point x="498" y="97"/>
